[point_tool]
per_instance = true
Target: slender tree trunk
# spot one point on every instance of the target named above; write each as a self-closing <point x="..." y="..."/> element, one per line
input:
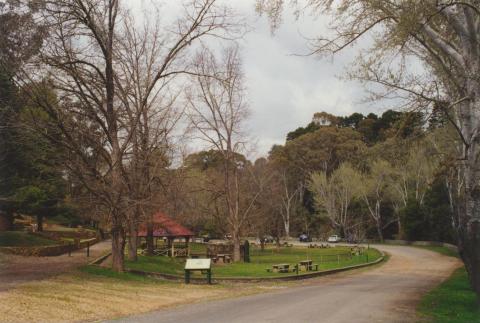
<point x="39" y="223"/>
<point x="400" y="229"/>
<point x="150" y="242"/>
<point x="262" y="243"/>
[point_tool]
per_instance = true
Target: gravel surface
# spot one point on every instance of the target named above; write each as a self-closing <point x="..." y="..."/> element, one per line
<point x="15" y="270"/>
<point x="387" y="293"/>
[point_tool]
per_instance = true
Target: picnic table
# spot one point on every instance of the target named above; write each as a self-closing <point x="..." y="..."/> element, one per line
<point x="281" y="268"/>
<point x="307" y="265"/>
<point x="224" y="258"/>
<point x="314" y="245"/>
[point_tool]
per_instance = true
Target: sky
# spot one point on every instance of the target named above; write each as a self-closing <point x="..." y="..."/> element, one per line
<point x="284" y="89"/>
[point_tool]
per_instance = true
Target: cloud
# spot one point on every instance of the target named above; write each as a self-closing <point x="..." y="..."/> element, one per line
<point x="284" y="89"/>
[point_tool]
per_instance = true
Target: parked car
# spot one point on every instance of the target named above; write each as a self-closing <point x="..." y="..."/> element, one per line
<point x="334" y="238"/>
<point x="304" y="238"/>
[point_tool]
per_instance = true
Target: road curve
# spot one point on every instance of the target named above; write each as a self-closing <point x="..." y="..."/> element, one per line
<point x="387" y="293"/>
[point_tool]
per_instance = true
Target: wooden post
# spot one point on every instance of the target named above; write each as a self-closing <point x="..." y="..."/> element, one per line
<point x="173" y="248"/>
<point x="169" y="246"/>
<point x="187" y="239"/>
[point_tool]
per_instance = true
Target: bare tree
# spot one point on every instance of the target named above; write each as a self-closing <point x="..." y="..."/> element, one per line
<point x="290" y="195"/>
<point x="151" y="62"/>
<point x="110" y="81"/>
<point x="217" y="110"/>
<point x="80" y="56"/>
<point x="333" y="194"/>
<point x="373" y="190"/>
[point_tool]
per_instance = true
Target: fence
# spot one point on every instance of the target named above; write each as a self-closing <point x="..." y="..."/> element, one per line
<point x="48" y="251"/>
<point x="318" y="255"/>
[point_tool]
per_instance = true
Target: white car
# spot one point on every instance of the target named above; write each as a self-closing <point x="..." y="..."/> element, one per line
<point x="333" y="238"/>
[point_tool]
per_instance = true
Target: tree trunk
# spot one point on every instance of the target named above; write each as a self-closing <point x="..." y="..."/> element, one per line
<point x="132" y="242"/>
<point x="379" y="232"/>
<point x="470" y="252"/>
<point x="343" y="232"/>
<point x="39" y="222"/>
<point x="6" y="221"/>
<point x="286" y="224"/>
<point x="236" y="247"/>
<point x="150" y="242"/>
<point x="262" y="244"/>
<point x="469" y="221"/>
<point x="118" y="248"/>
<point x="400" y="230"/>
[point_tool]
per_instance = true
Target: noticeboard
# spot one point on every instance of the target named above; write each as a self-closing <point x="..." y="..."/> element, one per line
<point x="198" y="264"/>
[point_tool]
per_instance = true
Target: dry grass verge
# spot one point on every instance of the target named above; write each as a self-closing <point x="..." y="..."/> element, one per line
<point x="84" y="296"/>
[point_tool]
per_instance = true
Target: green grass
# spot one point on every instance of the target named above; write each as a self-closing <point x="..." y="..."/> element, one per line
<point x="260" y="261"/>
<point x="453" y="301"/>
<point x="109" y="273"/>
<point x="161" y="264"/>
<point x="441" y="250"/>
<point x="23" y="239"/>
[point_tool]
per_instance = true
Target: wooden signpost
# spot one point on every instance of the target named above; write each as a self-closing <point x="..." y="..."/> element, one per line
<point x="203" y="265"/>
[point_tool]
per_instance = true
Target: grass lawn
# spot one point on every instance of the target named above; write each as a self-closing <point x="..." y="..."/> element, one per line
<point x="23" y="239"/>
<point x="453" y="301"/>
<point x="260" y="261"/>
<point x="109" y="273"/>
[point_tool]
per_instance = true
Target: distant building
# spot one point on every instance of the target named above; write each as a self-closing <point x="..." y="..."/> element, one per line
<point x="323" y="119"/>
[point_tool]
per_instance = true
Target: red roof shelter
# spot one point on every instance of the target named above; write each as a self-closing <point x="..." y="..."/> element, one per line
<point x="166" y="227"/>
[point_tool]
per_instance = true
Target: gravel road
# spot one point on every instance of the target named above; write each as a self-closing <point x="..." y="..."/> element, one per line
<point x="387" y="293"/>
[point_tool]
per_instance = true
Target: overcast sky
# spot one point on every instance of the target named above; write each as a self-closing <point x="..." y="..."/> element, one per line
<point x="285" y="90"/>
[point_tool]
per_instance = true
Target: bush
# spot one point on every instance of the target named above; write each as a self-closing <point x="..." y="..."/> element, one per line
<point x="431" y="221"/>
<point x="414" y="221"/>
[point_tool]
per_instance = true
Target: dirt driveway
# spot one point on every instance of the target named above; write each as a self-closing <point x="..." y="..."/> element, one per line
<point x="15" y="270"/>
<point x="387" y="293"/>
